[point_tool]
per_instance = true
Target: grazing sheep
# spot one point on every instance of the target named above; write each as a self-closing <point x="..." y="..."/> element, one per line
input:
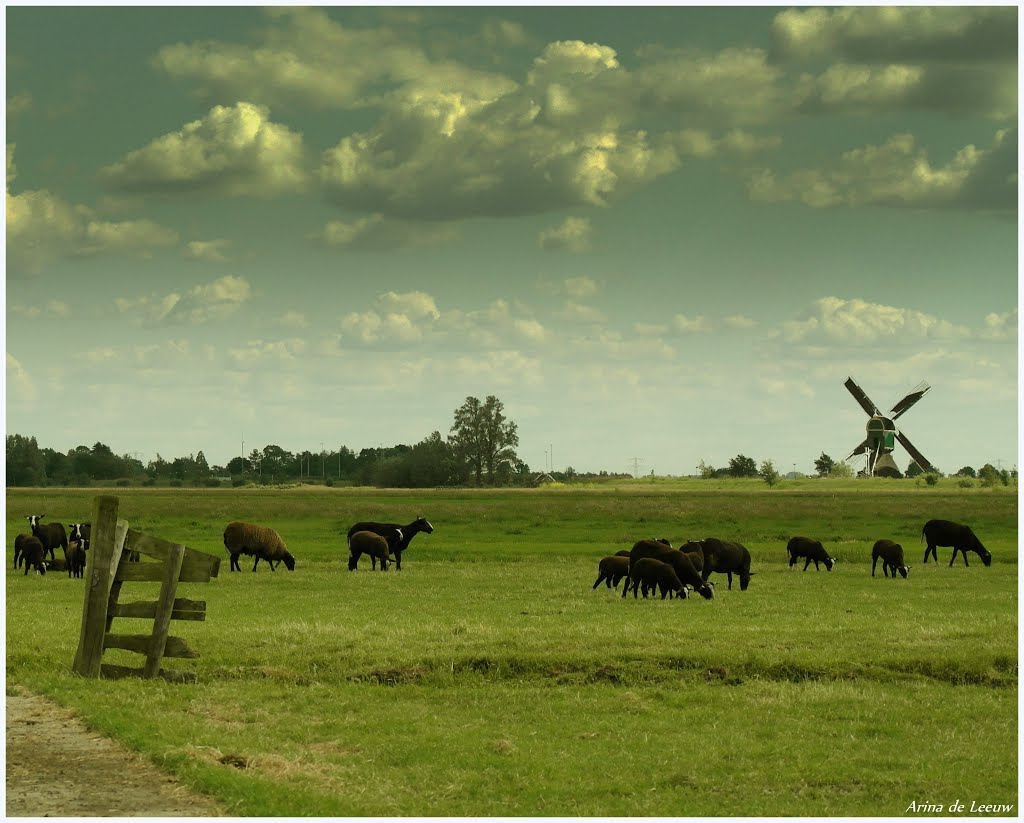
<point x="19" y="547"/>
<point x="50" y="535"/>
<point x="34" y="555"/>
<point x="960" y="537"/>
<point x="892" y="558"/>
<point x="811" y="549"/>
<point x="375" y="545"/>
<point x="420" y="524"/>
<point x="682" y="565"/>
<point x="76" y="557"/>
<point x="651" y="574"/>
<point x="726" y="557"/>
<point x="695" y="551"/>
<point x="261" y="542"/>
<point x="611" y="570"/>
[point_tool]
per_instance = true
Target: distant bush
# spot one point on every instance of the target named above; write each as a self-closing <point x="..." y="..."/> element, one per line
<point x="966" y="483"/>
<point x="124" y="481"/>
<point x="211" y="483"/>
<point x="149" y="481"/>
<point x="237" y="481"/>
<point x="931" y="478"/>
<point x="176" y="483"/>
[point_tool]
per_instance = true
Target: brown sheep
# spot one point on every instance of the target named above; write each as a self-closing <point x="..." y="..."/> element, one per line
<point x="34" y="555"/>
<point x="611" y="570"/>
<point x="372" y="544"/>
<point x="651" y="574"/>
<point x="19" y="547"/>
<point x="261" y="542"/>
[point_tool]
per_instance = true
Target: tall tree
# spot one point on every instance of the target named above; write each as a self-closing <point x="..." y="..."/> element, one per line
<point x="485" y="439"/>
<point x="743" y="466"/>
<point x="823" y="465"/>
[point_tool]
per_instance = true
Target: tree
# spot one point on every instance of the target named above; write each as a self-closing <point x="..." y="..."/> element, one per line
<point x="823" y="465"/>
<point x="841" y="469"/>
<point x="742" y="466"/>
<point x="484" y="438"/>
<point x="967" y="471"/>
<point x="26" y="464"/>
<point x="768" y="473"/>
<point x="705" y="471"/>
<point x="913" y="470"/>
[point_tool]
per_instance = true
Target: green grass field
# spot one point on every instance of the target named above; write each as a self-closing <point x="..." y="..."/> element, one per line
<point x="488" y="678"/>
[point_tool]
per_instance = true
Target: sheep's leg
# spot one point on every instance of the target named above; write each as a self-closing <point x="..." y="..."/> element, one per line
<point x="808" y="563"/>
<point x="792" y="560"/>
<point x="254" y="565"/>
<point x="234" y="563"/>
<point x="874" y="562"/>
<point x="398" y="561"/>
<point x="930" y="550"/>
<point x="729" y="574"/>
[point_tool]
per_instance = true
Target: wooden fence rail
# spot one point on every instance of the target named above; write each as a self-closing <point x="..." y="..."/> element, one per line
<point x="108" y="568"/>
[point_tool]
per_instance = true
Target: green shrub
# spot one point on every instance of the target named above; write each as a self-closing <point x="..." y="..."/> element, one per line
<point x="966" y="483"/>
<point x="931" y="478"/>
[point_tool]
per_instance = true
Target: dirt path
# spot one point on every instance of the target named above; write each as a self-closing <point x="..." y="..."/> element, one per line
<point x="49" y="750"/>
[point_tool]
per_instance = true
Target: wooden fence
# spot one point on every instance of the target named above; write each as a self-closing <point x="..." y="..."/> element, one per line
<point x="108" y="567"/>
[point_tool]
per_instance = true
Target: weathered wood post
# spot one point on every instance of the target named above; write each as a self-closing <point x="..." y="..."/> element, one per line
<point x="104" y="555"/>
<point x="113" y="542"/>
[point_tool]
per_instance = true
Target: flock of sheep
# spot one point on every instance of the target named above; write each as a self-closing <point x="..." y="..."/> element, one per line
<point x="653" y="565"/>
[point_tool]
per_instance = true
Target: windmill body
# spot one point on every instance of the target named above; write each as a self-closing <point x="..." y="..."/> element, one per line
<point x="882" y="433"/>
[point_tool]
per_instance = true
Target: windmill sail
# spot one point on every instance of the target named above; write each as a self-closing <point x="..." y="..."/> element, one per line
<point x="861" y="449"/>
<point x="861" y="397"/>
<point x="919" y="391"/>
<point x="919" y="458"/>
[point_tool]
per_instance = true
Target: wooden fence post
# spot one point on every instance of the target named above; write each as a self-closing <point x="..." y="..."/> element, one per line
<point x="164" y="607"/>
<point x="104" y="556"/>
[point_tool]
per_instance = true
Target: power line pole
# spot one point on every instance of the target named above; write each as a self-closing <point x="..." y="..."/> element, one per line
<point x="636" y="461"/>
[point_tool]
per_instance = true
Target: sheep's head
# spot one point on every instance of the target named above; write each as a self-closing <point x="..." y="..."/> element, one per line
<point x="289" y="561"/>
<point x="903" y="570"/>
<point x="829" y="563"/>
<point x="986" y="558"/>
<point x="424" y="525"/>
<point x="707" y="591"/>
<point x="682" y="593"/>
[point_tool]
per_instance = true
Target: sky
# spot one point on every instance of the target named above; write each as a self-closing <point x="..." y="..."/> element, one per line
<point x="659" y="235"/>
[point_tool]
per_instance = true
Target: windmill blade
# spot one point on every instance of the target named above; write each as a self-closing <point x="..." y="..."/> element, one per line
<point x="861" y="449"/>
<point x="860" y="397"/>
<point x="920" y="390"/>
<point x="921" y="460"/>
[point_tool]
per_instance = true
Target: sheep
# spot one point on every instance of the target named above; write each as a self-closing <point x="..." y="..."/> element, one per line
<point x="612" y="569"/>
<point x="50" y="535"/>
<point x="19" y="547"/>
<point x="654" y="574"/>
<point x="377" y="546"/>
<point x="78" y="531"/>
<point x="695" y="551"/>
<point x="892" y="558"/>
<point x="960" y="537"/>
<point x="420" y="524"/>
<point x="726" y="557"/>
<point x="76" y="557"/>
<point x="682" y="565"/>
<point x="811" y="549"/>
<point x="261" y="542"/>
<point x="34" y="555"/>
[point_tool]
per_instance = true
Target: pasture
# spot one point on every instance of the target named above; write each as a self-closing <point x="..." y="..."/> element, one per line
<point x="488" y="678"/>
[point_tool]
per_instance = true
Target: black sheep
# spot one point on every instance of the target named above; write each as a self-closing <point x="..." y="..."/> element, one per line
<point x="76" y="557"/>
<point x="892" y="558"/>
<point x="377" y="546"/>
<point x="695" y="551"/>
<point x="680" y="563"/>
<point x="651" y="574"/>
<point x="34" y="555"/>
<point x="726" y="557"/>
<point x="19" y="547"/>
<point x="420" y="524"/>
<point x="811" y="549"/>
<point x="960" y="537"/>
<point x="50" y="535"/>
<point x="611" y="570"/>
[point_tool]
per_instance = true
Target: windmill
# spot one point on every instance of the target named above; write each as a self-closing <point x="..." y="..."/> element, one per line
<point x="882" y="432"/>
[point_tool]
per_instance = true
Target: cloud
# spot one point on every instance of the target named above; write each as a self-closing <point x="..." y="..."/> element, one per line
<point x="266" y="353"/>
<point x="292" y="320"/>
<point x="691" y="325"/>
<point x="234" y="151"/>
<point x="377" y="233"/>
<point x="739" y="321"/>
<point x="53" y="308"/>
<point x="18" y="105"/>
<point x="580" y="288"/>
<point x="574" y="234"/>
<point x="209" y="251"/>
<point x="899" y="174"/>
<point x="575" y="312"/>
<point x="858" y="322"/>
<point x="403" y="318"/>
<point x="204" y="303"/>
<point x="1000" y="326"/>
<point x="887" y="33"/>
<point x="42" y="226"/>
<point x="20" y="385"/>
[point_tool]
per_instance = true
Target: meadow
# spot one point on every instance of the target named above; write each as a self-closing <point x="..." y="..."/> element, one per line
<point x="488" y="678"/>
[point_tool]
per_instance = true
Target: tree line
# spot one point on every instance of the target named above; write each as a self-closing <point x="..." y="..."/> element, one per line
<point x="480" y="450"/>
